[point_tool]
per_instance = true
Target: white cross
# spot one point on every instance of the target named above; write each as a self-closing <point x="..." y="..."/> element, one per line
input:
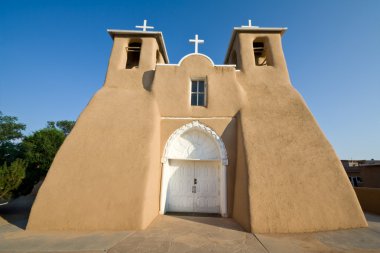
<point x="249" y="24"/>
<point x="144" y="27"/>
<point x="196" y="42"/>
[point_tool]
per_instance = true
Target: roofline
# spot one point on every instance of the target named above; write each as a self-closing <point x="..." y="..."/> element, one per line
<point x="157" y="35"/>
<point x="253" y="29"/>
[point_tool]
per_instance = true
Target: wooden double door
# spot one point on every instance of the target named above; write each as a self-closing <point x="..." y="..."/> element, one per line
<point x="194" y="186"/>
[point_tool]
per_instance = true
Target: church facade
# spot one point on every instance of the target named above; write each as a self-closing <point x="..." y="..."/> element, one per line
<point x="234" y="139"/>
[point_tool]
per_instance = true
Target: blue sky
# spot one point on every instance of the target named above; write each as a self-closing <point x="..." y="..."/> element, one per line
<point x="54" y="55"/>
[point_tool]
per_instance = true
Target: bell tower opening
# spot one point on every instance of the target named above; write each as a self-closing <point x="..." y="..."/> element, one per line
<point x="261" y="52"/>
<point x="133" y="55"/>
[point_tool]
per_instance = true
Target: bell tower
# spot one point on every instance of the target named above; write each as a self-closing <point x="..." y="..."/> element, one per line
<point x="134" y="57"/>
<point x="257" y="52"/>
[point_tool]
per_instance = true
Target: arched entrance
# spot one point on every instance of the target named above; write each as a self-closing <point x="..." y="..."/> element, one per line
<point x="194" y="171"/>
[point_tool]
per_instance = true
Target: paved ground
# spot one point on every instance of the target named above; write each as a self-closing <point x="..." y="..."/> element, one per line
<point x="179" y="234"/>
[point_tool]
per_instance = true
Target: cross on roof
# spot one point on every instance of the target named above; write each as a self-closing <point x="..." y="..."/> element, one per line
<point x="249" y="24"/>
<point x="196" y="41"/>
<point x="144" y="27"/>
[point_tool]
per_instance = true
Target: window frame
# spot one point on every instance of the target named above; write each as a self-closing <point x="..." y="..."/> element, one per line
<point x="197" y="92"/>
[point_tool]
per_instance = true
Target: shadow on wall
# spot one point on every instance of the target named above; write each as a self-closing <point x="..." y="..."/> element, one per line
<point x="147" y="79"/>
<point x="229" y="137"/>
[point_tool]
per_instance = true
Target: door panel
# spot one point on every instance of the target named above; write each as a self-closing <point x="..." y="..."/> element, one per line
<point x="182" y="197"/>
<point x="207" y="198"/>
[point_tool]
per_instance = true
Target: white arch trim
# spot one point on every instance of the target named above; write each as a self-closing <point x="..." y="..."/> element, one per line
<point x="223" y="163"/>
<point x="197" y="125"/>
<point x="188" y="55"/>
<point x="205" y="56"/>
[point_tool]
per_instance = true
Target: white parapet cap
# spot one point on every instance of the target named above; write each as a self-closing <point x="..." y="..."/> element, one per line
<point x="142" y="34"/>
<point x="252" y="29"/>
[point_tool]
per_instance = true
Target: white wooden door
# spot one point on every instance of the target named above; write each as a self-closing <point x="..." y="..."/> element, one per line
<point x="206" y="198"/>
<point x="193" y="187"/>
<point x="179" y="195"/>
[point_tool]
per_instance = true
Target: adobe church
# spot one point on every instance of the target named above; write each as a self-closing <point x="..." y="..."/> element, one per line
<point x="236" y="140"/>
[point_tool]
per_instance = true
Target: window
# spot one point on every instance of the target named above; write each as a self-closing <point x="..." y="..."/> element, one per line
<point x="133" y="55"/>
<point x="355" y="181"/>
<point x="198" y="93"/>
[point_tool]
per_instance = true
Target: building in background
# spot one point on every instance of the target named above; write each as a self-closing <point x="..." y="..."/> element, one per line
<point x="363" y="173"/>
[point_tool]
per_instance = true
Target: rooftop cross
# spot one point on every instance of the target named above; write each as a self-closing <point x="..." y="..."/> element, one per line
<point x="144" y="27"/>
<point x="196" y="41"/>
<point x="249" y="24"/>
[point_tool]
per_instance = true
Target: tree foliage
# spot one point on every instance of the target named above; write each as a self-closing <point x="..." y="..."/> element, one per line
<point x="10" y="133"/>
<point x="11" y="177"/>
<point x="64" y="125"/>
<point x="25" y="160"/>
<point x="40" y="147"/>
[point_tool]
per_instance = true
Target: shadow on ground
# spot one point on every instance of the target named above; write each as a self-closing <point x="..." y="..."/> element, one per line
<point x="212" y="220"/>
<point x="17" y="212"/>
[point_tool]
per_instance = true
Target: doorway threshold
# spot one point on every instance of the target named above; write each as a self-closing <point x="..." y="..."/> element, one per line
<point x="194" y="214"/>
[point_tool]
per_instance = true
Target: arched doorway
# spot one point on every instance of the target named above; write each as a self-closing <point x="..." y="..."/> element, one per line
<point x="194" y="171"/>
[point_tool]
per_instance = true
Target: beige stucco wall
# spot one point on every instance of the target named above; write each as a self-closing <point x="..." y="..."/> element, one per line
<point x="283" y="174"/>
<point x="106" y="175"/>
<point x="95" y="181"/>
<point x="296" y="181"/>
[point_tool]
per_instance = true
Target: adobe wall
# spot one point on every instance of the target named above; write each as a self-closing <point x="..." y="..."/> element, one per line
<point x="296" y="181"/>
<point x="241" y="207"/>
<point x="106" y="175"/>
<point x="171" y="89"/>
<point x="96" y="181"/>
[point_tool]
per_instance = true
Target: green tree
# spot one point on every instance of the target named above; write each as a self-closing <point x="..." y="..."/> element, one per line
<point x="11" y="177"/>
<point x="64" y="125"/>
<point x="10" y="134"/>
<point x="39" y="150"/>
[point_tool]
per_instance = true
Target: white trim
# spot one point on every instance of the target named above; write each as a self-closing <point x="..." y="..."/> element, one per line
<point x="216" y="65"/>
<point x="216" y="117"/>
<point x="188" y="55"/>
<point x="223" y="162"/>
<point x="192" y="125"/>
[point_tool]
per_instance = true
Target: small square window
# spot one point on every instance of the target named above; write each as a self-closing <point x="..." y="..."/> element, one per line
<point x="198" y="93"/>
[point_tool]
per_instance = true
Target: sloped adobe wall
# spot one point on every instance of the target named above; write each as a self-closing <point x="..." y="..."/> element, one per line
<point x="296" y="181"/>
<point x="104" y="177"/>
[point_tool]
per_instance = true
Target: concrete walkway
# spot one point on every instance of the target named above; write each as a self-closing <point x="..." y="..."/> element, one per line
<point x="181" y="234"/>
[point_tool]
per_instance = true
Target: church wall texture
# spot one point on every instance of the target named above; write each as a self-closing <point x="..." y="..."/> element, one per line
<point x="282" y="175"/>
